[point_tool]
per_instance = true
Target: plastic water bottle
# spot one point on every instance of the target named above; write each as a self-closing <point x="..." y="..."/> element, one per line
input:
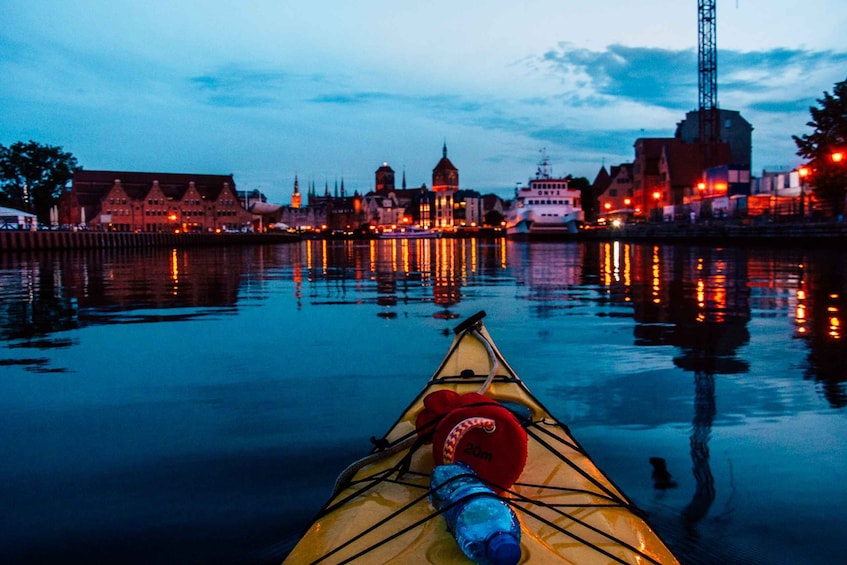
<point x="484" y="526"/>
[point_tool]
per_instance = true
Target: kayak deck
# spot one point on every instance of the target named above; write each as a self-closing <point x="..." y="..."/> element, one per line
<point x="569" y="511"/>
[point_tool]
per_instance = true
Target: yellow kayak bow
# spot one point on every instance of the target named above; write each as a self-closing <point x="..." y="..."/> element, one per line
<point x="569" y="511"/>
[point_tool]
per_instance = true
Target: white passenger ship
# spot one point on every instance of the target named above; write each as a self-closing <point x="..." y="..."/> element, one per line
<point x="547" y="207"/>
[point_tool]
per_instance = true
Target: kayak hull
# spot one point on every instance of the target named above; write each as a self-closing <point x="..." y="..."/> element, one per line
<point x="570" y="512"/>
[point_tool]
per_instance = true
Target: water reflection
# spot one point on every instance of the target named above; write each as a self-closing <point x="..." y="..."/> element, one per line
<point x="698" y="300"/>
<point x="721" y="337"/>
<point x="819" y="306"/>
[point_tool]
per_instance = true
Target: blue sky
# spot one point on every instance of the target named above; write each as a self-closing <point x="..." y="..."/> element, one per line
<point x="330" y="90"/>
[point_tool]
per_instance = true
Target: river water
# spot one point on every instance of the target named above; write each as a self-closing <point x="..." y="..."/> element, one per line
<point x="195" y="405"/>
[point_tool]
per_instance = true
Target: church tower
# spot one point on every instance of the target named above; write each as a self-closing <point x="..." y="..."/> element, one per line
<point x="384" y="179"/>
<point x="295" y="198"/>
<point x="445" y="184"/>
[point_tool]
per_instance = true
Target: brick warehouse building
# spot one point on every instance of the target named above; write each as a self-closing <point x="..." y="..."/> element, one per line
<point x="152" y="202"/>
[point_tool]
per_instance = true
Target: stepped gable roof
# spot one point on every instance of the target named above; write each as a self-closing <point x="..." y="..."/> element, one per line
<point x="622" y="169"/>
<point x="91" y="186"/>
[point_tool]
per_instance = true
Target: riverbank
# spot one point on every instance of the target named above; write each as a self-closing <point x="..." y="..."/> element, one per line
<point x="724" y="233"/>
<point x="819" y="234"/>
<point x="22" y="240"/>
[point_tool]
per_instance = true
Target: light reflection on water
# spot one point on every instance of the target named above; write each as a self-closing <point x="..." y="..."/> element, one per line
<point x="196" y="404"/>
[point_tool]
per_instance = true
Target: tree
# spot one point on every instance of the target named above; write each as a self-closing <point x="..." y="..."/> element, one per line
<point x="829" y="122"/>
<point x="590" y="205"/>
<point x="32" y="176"/>
<point x="493" y="218"/>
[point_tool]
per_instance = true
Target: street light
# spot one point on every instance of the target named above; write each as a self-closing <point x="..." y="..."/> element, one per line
<point x="701" y="189"/>
<point x="656" y="197"/>
<point x="804" y="173"/>
<point x="837" y="156"/>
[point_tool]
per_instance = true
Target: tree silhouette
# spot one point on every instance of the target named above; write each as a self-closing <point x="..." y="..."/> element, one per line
<point x="829" y="122"/>
<point x="32" y="176"/>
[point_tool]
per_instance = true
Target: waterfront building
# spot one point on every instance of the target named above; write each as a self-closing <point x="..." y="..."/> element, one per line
<point x="666" y="175"/>
<point x="445" y="184"/>
<point x="467" y="209"/>
<point x="690" y="187"/>
<point x="388" y="205"/>
<point x="493" y="210"/>
<point x="783" y="193"/>
<point x="152" y="202"/>
<point x="645" y="175"/>
<point x="383" y="210"/>
<point x="733" y="130"/>
<point x="614" y="190"/>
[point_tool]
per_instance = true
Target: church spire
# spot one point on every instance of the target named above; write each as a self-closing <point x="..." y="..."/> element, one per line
<point x="444" y="150"/>
<point x="296" y="199"/>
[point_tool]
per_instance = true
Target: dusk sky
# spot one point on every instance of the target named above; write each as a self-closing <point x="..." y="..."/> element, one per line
<point x="329" y="90"/>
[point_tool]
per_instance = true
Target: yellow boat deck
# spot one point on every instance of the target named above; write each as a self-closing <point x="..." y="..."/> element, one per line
<point x="569" y="511"/>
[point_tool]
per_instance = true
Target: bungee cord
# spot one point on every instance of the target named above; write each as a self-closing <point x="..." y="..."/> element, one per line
<point x="551" y="505"/>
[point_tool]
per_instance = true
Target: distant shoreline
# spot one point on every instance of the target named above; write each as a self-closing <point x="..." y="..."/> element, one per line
<point x="23" y="240"/>
<point x="814" y="234"/>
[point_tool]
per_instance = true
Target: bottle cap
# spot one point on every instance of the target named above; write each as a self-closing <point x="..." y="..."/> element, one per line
<point x="504" y="549"/>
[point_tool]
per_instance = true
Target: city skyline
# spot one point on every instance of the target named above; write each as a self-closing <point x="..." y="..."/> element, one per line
<point x="331" y="90"/>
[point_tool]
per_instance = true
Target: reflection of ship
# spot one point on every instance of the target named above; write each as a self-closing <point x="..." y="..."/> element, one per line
<point x="547" y="207"/>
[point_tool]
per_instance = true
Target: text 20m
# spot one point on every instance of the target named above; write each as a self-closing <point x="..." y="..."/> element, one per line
<point x="474" y="450"/>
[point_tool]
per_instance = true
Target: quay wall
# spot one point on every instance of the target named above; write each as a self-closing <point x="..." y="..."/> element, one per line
<point x="22" y="240"/>
<point x="722" y="234"/>
<point x="815" y="234"/>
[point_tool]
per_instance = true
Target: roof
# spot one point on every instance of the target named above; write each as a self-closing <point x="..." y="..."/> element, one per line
<point x="444" y="163"/>
<point x="602" y="180"/>
<point x="5" y="212"/>
<point x="90" y="186"/>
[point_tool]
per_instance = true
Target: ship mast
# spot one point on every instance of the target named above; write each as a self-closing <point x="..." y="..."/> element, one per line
<point x="545" y="170"/>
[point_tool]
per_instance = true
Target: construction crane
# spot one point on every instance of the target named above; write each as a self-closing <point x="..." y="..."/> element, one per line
<point x="707" y="82"/>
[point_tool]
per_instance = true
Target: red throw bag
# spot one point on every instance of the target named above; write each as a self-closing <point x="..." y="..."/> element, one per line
<point x="477" y="431"/>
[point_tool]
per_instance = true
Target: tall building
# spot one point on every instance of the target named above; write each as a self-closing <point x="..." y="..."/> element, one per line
<point x="732" y="129"/>
<point x="296" y="199"/>
<point x="445" y="184"/>
<point x="385" y="179"/>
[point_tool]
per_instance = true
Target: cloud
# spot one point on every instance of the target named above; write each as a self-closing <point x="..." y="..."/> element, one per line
<point x="668" y="78"/>
<point x="240" y="87"/>
<point x="653" y="76"/>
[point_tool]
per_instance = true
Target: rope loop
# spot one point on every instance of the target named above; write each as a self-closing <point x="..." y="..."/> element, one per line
<point x="460" y="429"/>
